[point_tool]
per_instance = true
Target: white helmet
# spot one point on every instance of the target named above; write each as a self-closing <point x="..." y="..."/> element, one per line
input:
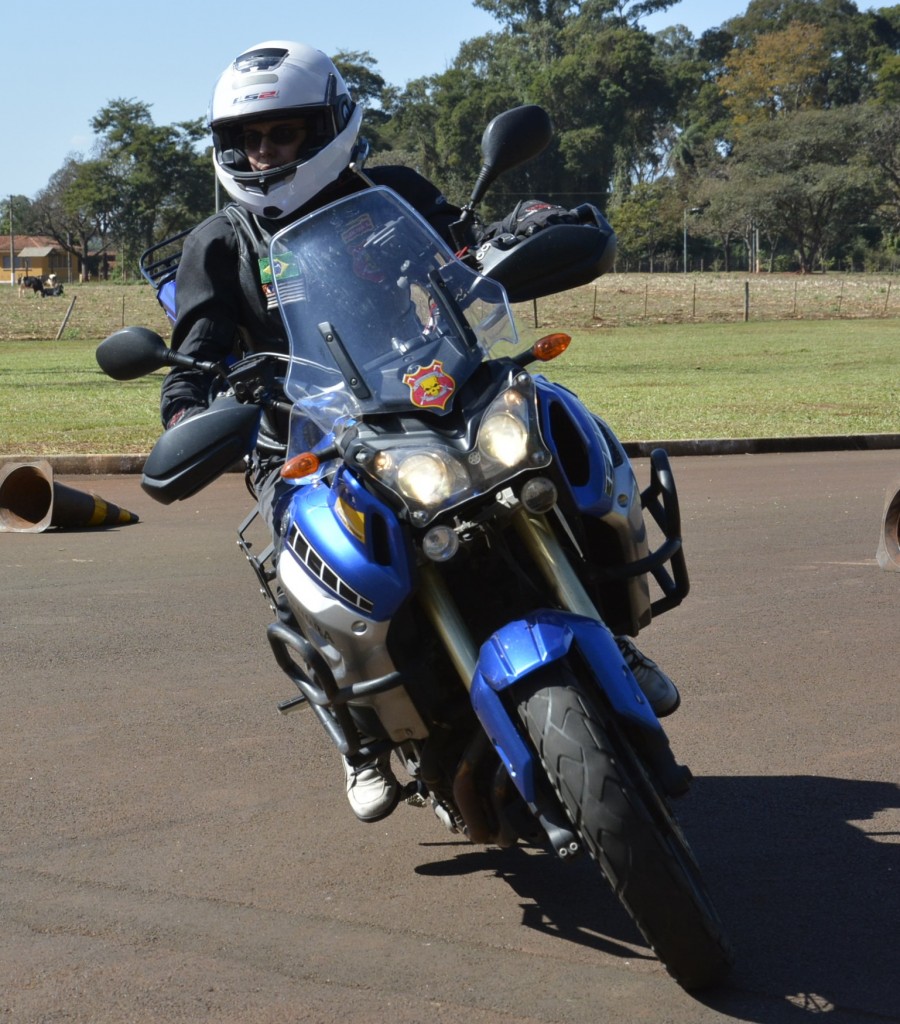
<point x="274" y="80"/>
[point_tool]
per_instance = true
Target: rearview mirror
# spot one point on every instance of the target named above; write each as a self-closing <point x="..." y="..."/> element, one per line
<point x="510" y="139"/>
<point x="132" y="352"/>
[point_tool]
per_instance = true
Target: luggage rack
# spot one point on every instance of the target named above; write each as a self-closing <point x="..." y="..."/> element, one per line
<point x="159" y="264"/>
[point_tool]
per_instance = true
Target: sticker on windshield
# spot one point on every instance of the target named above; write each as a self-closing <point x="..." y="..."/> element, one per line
<point x="429" y="386"/>
<point x="282" y="268"/>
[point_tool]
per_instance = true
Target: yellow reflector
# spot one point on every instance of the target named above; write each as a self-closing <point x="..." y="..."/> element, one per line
<point x="550" y="346"/>
<point x="352" y="518"/>
<point x="300" y="466"/>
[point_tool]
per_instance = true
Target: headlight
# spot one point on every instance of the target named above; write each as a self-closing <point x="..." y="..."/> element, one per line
<point x="507" y="435"/>
<point x="431" y="479"/>
<point x="504" y="438"/>
<point x="425" y="478"/>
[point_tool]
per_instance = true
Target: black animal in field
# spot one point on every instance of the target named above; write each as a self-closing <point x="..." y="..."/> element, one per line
<point x="34" y="283"/>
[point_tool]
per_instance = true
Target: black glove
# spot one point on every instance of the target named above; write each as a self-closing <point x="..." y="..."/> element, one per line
<point x="529" y="216"/>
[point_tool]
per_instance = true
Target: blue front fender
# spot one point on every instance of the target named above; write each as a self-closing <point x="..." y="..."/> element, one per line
<point x="522" y="646"/>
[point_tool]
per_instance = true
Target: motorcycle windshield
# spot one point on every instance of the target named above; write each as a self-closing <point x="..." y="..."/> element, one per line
<point x="380" y="315"/>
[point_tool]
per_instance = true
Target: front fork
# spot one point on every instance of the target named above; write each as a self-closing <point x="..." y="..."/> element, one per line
<point x="547" y="554"/>
<point x="540" y="638"/>
<point x="550" y="558"/>
<point x="447" y="621"/>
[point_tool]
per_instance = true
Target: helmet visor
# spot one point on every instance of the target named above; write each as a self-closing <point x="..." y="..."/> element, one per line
<point x="309" y="129"/>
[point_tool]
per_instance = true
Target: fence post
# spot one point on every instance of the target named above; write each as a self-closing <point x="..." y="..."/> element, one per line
<point x="746" y="301"/>
<point x="66" y="319"/>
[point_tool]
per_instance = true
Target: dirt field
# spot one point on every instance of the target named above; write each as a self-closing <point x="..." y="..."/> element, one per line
<point x="98" y="310"/>
<point x="612" y="301"/>
<point x="619" y="300"/>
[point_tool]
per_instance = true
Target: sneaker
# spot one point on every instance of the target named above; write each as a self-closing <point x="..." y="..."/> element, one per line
<point x="657" y="687"/>
<point x="371" y="789"/>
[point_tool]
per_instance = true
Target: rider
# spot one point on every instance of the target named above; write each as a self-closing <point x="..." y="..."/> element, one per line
<point x="285" y="134"/>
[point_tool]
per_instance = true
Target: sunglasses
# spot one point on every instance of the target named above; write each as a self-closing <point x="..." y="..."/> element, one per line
<point x="280" y="135"/>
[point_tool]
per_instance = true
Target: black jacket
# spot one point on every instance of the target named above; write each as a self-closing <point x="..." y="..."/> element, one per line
<point x="222" y="309"/>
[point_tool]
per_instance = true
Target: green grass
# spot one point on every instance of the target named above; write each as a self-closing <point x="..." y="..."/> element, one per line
<point x="665" y="382"/>
<point x="55" y="400"/>
<point x="777" y="379"/>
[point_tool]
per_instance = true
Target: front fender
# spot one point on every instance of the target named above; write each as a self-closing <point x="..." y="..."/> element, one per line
<point x="520" y="647"/>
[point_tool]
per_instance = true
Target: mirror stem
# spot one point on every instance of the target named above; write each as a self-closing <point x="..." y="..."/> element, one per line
<point x="174" y="358"/>
<point x="460" y="230"/>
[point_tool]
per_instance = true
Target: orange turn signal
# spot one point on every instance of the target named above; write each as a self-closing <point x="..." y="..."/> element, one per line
<point x="300" y="466"/>
<point x="550" y="346"/>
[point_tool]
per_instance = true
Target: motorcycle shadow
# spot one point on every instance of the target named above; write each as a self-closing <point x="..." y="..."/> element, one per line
<point x="568" y="901"/>
<point x="805" y="872"/>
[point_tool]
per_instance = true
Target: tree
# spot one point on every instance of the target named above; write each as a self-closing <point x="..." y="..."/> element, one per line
<point x="781" y="72"/>
<point x="855" y="42"/>
<point x="518" y="13"/>
<point x="412" y="126"/>
<point x="608" y="96"/>
<point x="144" y="183"/>
<point x="594" y="71"/>
<point x="647" y="220"/>
<point x="724" y="212"/>
<point x="881" y="147"/>
<point x="74" y="209"/>
<point x="366" y="85"/>
<point x="24" y="218"/>
<point x="162" y="183"/>
<point x="805" y="174"/>
<point x="440" y="119"/>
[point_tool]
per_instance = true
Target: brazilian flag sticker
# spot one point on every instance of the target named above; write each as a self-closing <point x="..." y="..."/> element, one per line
<point x="282" y="268"/>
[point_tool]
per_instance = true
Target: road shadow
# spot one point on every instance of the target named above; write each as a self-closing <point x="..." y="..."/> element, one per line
<point x="569" y="901"/>
<point x="805" y="872"/>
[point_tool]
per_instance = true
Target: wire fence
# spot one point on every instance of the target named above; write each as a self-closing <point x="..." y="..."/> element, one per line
<point x="617" y="300"/>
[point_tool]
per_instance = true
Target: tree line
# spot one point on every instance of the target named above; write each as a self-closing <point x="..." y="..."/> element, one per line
<point x="771" y="142"/>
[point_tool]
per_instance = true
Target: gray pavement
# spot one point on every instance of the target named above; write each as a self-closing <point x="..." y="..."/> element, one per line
<point x="172" y="850"/>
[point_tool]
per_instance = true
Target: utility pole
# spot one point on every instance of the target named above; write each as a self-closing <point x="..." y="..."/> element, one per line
<point x="692" y="210"/>
<point x="12" y="247"/>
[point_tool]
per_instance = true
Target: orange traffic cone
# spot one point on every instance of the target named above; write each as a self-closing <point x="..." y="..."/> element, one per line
<point x="30" y="502"/>
<point x="888" y="553"/>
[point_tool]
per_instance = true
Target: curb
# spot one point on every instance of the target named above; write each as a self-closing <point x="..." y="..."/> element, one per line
<point x="84" y="465"/>
<point x="766" y="445"/>
<point x="105" y="465"/>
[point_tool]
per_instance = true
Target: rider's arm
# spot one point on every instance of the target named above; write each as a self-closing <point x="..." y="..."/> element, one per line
<point x="208" y="314"/>
<point x="421" y="194"/>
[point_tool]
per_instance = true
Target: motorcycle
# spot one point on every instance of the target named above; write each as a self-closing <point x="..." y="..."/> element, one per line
<point x="459" y="541"/>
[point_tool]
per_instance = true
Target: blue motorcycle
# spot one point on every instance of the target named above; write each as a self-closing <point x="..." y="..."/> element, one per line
<point x="458" y="542"/>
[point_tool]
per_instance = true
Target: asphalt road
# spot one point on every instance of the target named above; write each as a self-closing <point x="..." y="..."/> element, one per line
<point x="172" y="850"/>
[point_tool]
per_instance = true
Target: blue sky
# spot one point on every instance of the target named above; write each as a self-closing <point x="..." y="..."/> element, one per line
<point x="62" y="64"/>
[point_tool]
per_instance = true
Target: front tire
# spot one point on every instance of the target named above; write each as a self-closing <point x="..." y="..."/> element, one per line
<point x="627" y="827"/>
